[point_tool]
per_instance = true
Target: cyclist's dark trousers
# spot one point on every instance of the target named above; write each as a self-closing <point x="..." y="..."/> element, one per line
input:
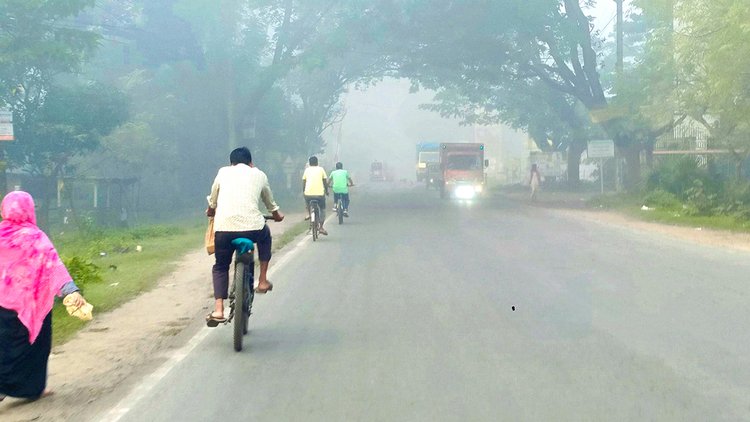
<point x="344" y="198"/>
<point x="225" y="251"/>
<point x="321" y="204"/>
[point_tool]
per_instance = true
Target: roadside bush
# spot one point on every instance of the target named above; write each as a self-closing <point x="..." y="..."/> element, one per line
<point x="679" y="177"/>
<point x="662" y="199"/>
<point x="83" y="271"/>
<point x="700" y="201"/>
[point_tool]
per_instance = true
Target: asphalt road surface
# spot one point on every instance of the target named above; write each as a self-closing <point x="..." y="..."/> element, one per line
<point x="405" y="313"/>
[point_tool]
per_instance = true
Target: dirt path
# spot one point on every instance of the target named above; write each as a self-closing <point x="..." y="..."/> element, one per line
<point x="120" y="346"/>
<point x="699" y="235"/>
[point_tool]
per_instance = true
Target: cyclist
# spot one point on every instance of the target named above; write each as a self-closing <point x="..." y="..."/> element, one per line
<point x="234" y="205"/>
<point x="315" y="187"/>
<point x="340" y="183"/>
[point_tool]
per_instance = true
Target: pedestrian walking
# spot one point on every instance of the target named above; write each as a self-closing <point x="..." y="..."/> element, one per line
<point x="31" y="274"/>
<point x="535" y="181"/>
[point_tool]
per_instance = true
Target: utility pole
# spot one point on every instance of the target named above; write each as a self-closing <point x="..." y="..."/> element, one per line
<point x="619" y="65"/>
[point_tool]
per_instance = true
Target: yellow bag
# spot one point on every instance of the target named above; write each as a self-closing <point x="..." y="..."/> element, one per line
<point x="210" y="234"/>
<point x="84" y="313"/>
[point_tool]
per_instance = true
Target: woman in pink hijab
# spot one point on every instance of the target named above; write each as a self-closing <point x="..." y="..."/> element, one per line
<point x="31" y="274"/>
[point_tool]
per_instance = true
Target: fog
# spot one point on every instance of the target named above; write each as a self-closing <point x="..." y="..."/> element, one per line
<point x="153" y="96"/>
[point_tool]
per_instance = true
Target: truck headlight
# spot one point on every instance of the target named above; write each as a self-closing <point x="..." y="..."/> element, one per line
<point x="464" y="192"/>
<point x="478" y="188"/>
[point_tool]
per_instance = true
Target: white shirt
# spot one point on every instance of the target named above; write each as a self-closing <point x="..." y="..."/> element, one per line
<point x="235" y="195"/>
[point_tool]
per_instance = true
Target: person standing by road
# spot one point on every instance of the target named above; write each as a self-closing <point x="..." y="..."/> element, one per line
<point x="32" y="274"/>
<point x="340" y="183"/>
<point x="535" y="181"/>
<point x="234" y="205"/>
<point x="315" y="187"/>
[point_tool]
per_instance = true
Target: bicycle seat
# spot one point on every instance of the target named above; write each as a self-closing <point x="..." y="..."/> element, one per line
<point x="243" y="245"/>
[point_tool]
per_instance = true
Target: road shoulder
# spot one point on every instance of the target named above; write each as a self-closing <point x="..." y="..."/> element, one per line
<point x="120" y="346"/>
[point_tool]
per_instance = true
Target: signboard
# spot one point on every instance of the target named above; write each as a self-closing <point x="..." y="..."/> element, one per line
<point x="6" y="125"/>
<point x="601" y="149"/>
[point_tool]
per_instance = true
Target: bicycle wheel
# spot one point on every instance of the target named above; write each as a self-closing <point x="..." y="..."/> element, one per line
<point x="240" y="296"/>
<point x="340" y="210"/>
<point x="249" y="288"/>
<point x="314" y="221"/>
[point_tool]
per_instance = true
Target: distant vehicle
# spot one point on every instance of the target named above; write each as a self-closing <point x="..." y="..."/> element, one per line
<point x="462" y="170"/>
<point x="427" y="153"/>
<point x="378" y="171"/>
<point x="434" y="176"/>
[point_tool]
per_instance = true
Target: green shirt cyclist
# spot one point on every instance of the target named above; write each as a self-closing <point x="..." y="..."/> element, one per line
<point x="340" y="182"/>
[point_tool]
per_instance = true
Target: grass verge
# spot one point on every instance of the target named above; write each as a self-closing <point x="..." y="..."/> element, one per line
<point x="125" y="272"/>
<point x="630" y="205"/>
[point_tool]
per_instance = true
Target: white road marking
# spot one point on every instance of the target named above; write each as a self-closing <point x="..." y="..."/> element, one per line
<point x="144" y="388"/>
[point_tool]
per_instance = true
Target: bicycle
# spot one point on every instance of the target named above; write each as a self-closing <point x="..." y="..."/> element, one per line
<point x="314" y="219"/>
<point x="242" y="290"/>
<point x="340" y="210"/>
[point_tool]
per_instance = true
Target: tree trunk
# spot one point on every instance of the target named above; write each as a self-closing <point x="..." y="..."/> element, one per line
<point x="3" y="180"/>
<point x="632" y="155"/>
<point x="574" y="164"/>
<point x="649" y="155"/>
<point x="738" y="165"/>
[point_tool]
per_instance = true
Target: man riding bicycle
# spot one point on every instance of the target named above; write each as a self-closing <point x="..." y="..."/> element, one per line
<point x="315" y="187"/>
<point x="234" y="205"/>
<point x="340" y="183"/>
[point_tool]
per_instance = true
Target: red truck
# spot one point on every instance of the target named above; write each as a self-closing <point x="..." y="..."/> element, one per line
<point x="462" y="167"/>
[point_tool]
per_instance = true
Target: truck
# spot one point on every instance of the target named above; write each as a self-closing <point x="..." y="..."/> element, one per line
<point x="427" y="154"/>
<point x="462" y="168"/>
<point x="378" y="171"/>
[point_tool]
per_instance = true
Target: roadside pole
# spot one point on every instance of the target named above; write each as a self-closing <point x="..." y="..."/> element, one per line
<point x="6" y="135"/>
<point x="601" y="149"/>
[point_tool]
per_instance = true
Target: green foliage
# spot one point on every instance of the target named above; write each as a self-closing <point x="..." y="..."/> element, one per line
<point x="662" y="199"/>
<point x="71" y="122"/>
<point x="678" y="176"/>
<point x="83" y="271"/>
<point x="94" y="240"/>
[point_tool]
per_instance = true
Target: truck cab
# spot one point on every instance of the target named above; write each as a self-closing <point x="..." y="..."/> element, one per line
<point x="462" y="166"/>
<point x="428" y="154"/>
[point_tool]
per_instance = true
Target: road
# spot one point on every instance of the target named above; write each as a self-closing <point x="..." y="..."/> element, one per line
<point x="405" y="313"/>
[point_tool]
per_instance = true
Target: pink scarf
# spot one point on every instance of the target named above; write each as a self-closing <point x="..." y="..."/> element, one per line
<point x="31" y="272"/>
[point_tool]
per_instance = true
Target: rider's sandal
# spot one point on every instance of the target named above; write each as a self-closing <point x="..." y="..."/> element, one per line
<point x="213" y="321"/>
<point x="264" y="291"/>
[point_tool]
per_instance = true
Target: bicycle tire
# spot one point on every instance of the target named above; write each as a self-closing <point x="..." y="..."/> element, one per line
<point x="249" y="288"/>
<point x="240" y="291"/>
<point x="314" y="222"/>
<point x="340" y="210"/>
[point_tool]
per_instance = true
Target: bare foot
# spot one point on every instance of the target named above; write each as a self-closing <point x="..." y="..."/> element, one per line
<point x="264" y="287"/>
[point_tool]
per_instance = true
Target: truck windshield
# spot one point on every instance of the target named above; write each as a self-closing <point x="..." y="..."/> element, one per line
<point x="429" y="157"/>
<point x="463" y="162"/>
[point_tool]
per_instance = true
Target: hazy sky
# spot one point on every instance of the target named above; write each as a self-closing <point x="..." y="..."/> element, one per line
<point x="603" y="13"/>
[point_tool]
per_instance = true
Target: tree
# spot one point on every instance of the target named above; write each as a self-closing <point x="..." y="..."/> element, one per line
<point x="711" y="51"/>
<point x="70" y="122"/>
<point x="37" y="43"/>
<point x="501" y="43"/>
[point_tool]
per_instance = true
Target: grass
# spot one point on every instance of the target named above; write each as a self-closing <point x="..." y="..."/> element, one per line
<point x="125" y="273"/>
<point x="290" y="234"/>
<point x="630" y="205"/>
